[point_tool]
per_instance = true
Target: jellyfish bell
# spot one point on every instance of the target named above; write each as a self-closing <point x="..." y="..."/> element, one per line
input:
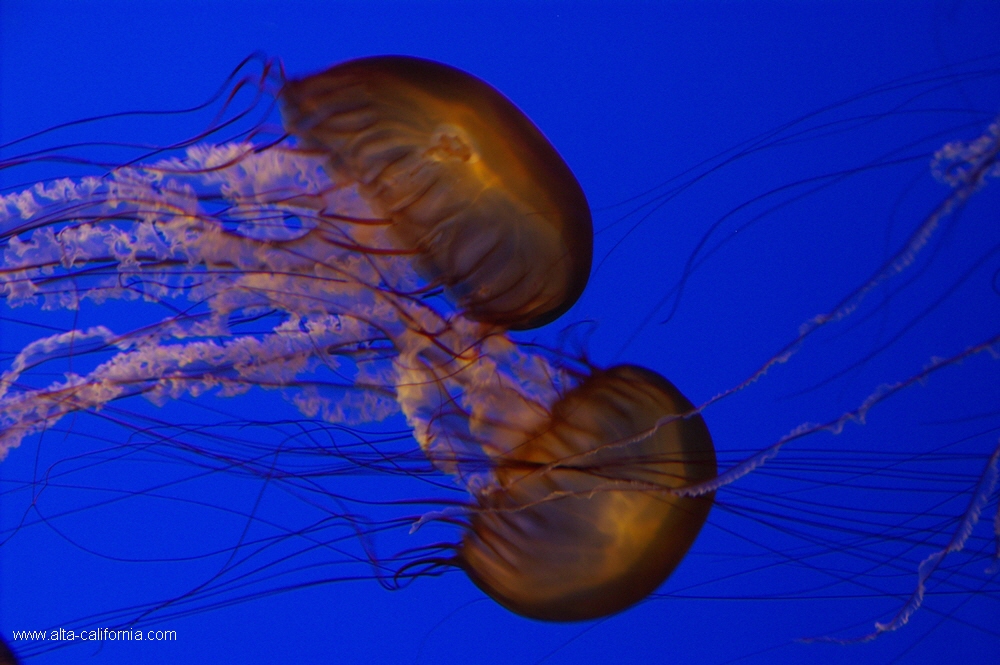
<point x="580" y="522"/>
<point x="472" y="187"/>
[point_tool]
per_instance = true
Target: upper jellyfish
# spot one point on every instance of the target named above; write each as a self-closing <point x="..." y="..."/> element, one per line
<point x="470" y="185"/>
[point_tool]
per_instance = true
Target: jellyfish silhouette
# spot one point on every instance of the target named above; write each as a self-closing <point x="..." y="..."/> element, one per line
<point x="219" y="275"/>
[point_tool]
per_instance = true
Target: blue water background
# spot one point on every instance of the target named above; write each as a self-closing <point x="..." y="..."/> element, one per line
<point x="632" y="94"/>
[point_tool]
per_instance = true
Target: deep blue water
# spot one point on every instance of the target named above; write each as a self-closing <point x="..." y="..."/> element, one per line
<point x="779" y="226"/>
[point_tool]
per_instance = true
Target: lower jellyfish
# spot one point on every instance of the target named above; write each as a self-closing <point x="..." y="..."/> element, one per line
<point x="578" y="524"/>
<point x="249" y="271"/>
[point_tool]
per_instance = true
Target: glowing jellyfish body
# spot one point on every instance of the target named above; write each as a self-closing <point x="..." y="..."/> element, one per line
<point x="579" y="524"/>
<point x="485" y="202"/>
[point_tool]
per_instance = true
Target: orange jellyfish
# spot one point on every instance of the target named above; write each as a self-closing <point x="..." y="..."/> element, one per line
<point x="580" y="523"/>
<point x="337" y="256"/>
<point x="471" y="186"/>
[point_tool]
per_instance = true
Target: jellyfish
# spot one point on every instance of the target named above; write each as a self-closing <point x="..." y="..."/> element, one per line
<point x="578" y="525"/>
<point x="507" y="249"/>
<point x="470" y="185"/>
<point x="432" y="354"/>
